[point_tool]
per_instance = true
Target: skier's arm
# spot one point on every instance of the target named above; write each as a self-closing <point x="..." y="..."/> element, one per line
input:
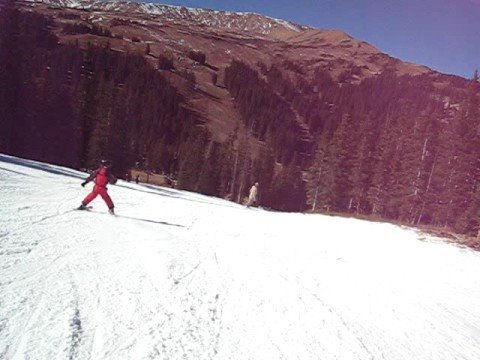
<point x="90" y="178"/>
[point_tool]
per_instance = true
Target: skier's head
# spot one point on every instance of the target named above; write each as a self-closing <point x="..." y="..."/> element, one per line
<point x="256" y="184"/>
<point x="106" y="163"/>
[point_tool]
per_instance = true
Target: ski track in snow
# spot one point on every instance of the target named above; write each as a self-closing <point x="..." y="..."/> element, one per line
<point x="179" y="275"/>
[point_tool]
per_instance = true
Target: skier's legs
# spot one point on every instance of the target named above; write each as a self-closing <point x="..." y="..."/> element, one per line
<point x="90" y="197"/>
<point x="104" y="194"/>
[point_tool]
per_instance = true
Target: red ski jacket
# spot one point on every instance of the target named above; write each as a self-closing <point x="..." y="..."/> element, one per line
<point x="102" y="177"/>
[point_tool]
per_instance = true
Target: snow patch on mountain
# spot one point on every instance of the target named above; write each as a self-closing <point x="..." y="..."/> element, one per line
<point x="214" y="18"/>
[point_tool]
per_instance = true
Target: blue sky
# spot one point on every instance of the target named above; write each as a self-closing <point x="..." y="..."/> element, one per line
<point x="442" y="34"/>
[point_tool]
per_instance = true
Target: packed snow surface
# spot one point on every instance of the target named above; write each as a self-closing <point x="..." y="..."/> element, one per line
<point x="178" y="275"/>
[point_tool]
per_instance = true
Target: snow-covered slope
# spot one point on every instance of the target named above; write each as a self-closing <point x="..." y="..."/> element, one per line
<point x="178" y="275"/>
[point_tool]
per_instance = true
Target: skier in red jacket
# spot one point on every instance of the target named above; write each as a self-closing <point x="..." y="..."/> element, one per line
<point x="102" y="176"/>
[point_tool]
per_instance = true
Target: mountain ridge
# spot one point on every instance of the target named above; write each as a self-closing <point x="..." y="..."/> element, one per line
<point x="332" y="43"/>
<point x="204" y="16"/>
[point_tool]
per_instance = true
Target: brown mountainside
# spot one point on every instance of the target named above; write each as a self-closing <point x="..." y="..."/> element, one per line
<point x="222" y="37"/>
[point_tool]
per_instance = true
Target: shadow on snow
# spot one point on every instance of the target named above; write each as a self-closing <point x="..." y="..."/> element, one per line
<point x="37" y="166"/>
<point x="149" y="221"/>
<point x="177" y="194"/>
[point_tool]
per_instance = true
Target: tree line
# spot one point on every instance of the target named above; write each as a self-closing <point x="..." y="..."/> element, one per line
<point x="74" y="104"/>
<point x="392" y="147"/>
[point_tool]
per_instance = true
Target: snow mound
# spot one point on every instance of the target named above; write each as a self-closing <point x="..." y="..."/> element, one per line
<point x="178" y="275"/>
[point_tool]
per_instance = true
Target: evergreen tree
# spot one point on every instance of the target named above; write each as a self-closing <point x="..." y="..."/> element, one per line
<point x="209" y="178"/>
<point x="11" y="74"/>
<point x="192" y="158"/>
<point x="263" y="172"/>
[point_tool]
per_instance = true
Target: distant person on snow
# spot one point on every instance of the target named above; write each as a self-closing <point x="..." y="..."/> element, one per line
<point x="102" y="176"/>
<point x="128" y="176"/>
<point x="252" y="197"/>
<point x="137" y="179"/>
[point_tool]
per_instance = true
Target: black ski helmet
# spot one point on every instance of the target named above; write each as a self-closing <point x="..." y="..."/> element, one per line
<point x="105" y="163"/>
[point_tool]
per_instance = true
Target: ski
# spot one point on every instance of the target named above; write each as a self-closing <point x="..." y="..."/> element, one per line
<point x="81" y="208"/>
